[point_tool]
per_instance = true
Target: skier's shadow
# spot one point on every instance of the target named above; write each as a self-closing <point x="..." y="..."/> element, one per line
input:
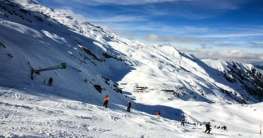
<point x="166" y="111"/>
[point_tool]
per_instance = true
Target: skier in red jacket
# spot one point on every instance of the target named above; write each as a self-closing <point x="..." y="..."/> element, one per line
<point x="106" y="100"/>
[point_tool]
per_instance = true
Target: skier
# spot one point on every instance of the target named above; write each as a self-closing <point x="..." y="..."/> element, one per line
<point x="208" y="128"/>
<point x="158" y="113"/>
<point x="106" y="101"/>
<point x="224" y="128"/>
<point x="129" y="107"/>
<point x="50" y="82"/>
<point x="183" y="122"/>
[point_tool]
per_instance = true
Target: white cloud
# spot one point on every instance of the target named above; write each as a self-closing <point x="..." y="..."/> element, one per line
<point x="173" y="39"/>
<point x="117" y="19"/>
<point x="233" y="54"/>
<point x="233" y="35"/>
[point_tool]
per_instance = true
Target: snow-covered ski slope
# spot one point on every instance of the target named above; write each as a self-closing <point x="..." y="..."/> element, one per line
<point x="24" y="114"/>
<point x="99" y="63"/>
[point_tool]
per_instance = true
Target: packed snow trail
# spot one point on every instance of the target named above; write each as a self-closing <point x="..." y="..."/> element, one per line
<point x="28" y="115"/>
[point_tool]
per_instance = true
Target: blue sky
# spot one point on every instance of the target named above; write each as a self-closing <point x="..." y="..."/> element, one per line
<point x="193" y="25"/>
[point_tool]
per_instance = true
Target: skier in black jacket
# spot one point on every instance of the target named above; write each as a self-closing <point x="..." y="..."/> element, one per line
<point x="129" y="107"/>
<point x="208" y="128"/>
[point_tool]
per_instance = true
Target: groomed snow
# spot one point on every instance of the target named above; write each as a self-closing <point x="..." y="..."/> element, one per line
<point x="27" y="114"/>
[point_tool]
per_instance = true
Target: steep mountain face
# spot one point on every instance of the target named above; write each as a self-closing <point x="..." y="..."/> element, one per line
<point x="34" y="36"/>
<point x="170" y="74"/>
<point x="259" y="67"/>
<point x="31" y="40"/>
<point x="250" y="78"/>
<point x="246" y="75"/>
